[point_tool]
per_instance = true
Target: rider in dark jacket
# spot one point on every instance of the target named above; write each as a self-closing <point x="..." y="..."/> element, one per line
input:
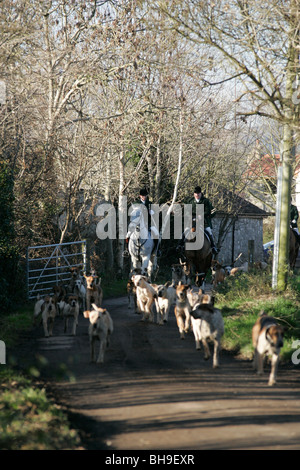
<point x="209" y="213"/>
<point x="294" y="216"/>
<point x="144" y="199"/>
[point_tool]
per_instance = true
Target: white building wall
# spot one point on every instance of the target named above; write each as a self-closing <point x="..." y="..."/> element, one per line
<point x="245" y="230"/>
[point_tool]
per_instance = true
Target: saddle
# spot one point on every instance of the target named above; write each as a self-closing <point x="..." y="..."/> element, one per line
<point x="180" y="246"/>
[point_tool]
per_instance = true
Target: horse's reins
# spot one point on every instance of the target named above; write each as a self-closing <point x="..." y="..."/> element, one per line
<point x="138" y="245"/>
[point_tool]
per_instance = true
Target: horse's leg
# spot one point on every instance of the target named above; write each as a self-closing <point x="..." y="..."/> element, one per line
<point x="136" y="264"/>
<point x="199" y="280"/>
<point x="145" y="264"/>
<point x="150" y="268"/>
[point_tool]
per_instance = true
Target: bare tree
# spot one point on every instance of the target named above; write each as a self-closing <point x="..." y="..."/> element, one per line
<point x="260" y="41"/>
<point x="101" y="102"/>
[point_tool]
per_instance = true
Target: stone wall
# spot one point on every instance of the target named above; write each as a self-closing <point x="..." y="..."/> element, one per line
<point x="248" y="232"/>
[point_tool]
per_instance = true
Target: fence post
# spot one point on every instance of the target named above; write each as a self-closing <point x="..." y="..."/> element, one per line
<point x="27" y="273"/>
<point x="51" y="264"/>
<point x="83" y="248"/>
<point x="56" y="266"/>
<point x="2" y="353"/>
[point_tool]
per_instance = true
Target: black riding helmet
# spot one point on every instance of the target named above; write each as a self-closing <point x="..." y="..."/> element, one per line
<point x="143" y="192"/>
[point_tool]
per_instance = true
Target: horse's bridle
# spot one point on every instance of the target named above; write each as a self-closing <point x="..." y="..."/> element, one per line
<point x="139" y="245"/>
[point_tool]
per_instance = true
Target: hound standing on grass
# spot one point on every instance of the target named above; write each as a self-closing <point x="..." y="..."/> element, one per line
<point x="267" y="338"/>
<point x="218" y="273"/>
<point x="100" y="329"/>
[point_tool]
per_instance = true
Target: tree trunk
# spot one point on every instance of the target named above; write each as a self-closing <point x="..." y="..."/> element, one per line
<point x="158" y="174"/>
<point x="120" y="259"/>
<point x="284" y="227"/>
<point x="109" y="242"/>
<point x="179" y="167"/>
<point x="287" y="160"/>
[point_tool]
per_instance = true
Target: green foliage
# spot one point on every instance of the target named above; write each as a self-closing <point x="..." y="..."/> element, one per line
<point x="243" y="298"/>
<point x="29" y="420"/>
<point x="6" y="201"/>
<point x="113" y="288"/>
<point x="9" y="255"/>
<point x="15" y="323"/>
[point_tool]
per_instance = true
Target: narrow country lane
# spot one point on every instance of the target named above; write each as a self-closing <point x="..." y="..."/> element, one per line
<point x="155" y="391"/>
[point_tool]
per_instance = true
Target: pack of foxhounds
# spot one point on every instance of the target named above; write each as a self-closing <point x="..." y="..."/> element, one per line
<point x="194" y="312"/>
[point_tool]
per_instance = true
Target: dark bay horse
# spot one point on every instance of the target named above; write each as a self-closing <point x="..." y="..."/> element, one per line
<point x="198" y="262"/>
<point x="294" y="248"/>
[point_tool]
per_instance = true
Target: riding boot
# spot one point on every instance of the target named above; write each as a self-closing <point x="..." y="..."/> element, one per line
<point x="214" y="249"/>
<point x="180" y="245"/>
<point x="156" y="249"/>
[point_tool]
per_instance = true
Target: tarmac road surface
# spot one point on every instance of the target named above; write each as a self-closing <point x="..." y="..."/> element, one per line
<point x="155" y="391"/>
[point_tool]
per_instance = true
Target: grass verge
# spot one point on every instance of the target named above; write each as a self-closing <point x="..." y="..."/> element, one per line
<point x="243" y="298"/>
<point x="29" y="419"/>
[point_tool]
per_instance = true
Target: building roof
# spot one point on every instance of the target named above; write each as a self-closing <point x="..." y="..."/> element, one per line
<point x="235" y="205"/>
<point x="266" y="166"/>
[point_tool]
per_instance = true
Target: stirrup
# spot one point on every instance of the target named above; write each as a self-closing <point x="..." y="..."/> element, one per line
<point x="125" y="254"/>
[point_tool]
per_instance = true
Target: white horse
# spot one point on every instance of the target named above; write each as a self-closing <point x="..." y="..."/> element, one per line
<point x="141" y="243"/>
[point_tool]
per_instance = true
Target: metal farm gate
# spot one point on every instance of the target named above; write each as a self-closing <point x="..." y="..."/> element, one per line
<point x="49" y="265"/>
